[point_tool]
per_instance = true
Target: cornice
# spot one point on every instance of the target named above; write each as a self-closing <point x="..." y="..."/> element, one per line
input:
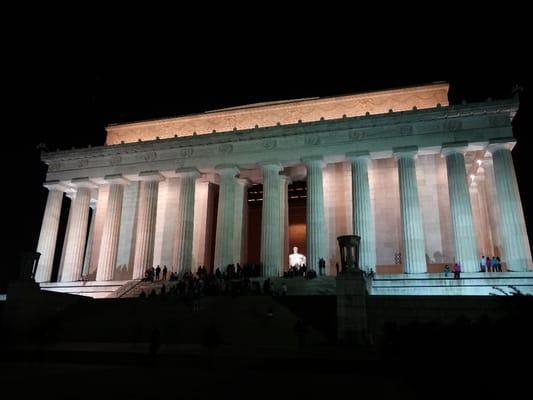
<point x="311" y="134"/>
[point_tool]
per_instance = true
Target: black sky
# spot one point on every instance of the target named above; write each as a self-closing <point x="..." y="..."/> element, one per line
<point x="64" y="90"/>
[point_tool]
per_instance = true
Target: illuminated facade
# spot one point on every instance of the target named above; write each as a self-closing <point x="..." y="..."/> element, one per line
<point x="423" y="183"/>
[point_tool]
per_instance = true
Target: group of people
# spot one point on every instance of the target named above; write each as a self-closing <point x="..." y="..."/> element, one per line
<point x="488" y="264"/>
<point x="456" y="269"/>
<point x="152" y="274"/>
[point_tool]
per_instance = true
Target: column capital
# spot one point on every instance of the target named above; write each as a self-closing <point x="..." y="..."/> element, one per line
<point x="271" y="165"/>
<point x="453" y="148"/>
<point x="314" y="160"/>
<point x="56" y="185"/>
<point x="405" y="152"/>
<point x="117" y="179"/>
<point x="358" y="156"/>
<point x="84" y="182"/>
<point x="286" y="178"/>
<point x="227" y="169"/>
<point x="501" y="144"/>
<point x="243" y="181"/>
<point x="150" y="176"/>
<point x="187" y="172"/>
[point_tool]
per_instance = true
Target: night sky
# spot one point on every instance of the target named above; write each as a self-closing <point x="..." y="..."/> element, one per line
<point x="64" y="99"/>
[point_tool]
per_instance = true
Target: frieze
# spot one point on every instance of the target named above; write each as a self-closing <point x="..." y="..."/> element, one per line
<point x="406" y="130"/>
<point x="56" y="166"/>
<point x="115" y="160"/>
<point x="82" y="163"/>
<point x="453" y="125"/>
<point x="498" y="120"/>
<point x="312" y="140"/>
<point x="269" y="144"/>
<point x="357" y="135"/>
<point x="225" y="148"/>
<point x="150" y="156"/>
<point x="188" y="152"/>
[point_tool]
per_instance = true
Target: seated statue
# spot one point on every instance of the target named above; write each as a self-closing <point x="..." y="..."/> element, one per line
<point x="296" y="259"/>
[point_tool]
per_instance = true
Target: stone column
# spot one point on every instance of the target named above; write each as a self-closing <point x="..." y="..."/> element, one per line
<point x="107" y="258"/>
<point x="225" y="217"/>
<point x="461" y="208"/>
<point x="316" y="236"/>
<point x="89" y="246"/>
<point x="239" y="234"/>
<point x="185" y="229"/>
<point x="145" y="233"/>
<point x="363" y="223"/>
<point x="49" y="228"/>
<point x="77" y="232"/>
<point x="413" y="246"/>
<point x="284" y="223"/>
<point x="270" y="219"/>
<point x="516" y="251"/>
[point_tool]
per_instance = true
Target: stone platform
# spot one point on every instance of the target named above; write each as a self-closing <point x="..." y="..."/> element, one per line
<point x="470" y="284"/>
<point x="96" y="290"/>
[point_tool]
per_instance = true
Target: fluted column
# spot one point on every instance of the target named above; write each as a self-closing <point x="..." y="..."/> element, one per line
<point x="90" y="236"/>
<point x="461" y="209"/>
<point x="77" y="231"/>
<point x="516" y="251"/>
<point x="284" y="222"/>
<point x="49" y="228"/>
<point x="145" y="233"/>
<point x="225" y="217"/>
<point x="363" y="223"/>
<point x="107" y="258"/>
<point x="239" y="234"/>
<point x="185" y="229"/>
<point x="316" y="236"/>
<point x="413" y="246"/>
<point x="270" y="220"/>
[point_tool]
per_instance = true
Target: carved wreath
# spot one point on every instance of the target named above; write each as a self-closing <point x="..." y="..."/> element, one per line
<point x="312" y="140"/>
<point x="186" y="152"/>
<point x="152" y="155"/>
<point x="357" y="135"/>
<point x="269" y="144"/>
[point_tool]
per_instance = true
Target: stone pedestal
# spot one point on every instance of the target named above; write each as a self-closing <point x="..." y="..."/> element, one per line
<point x="351" y="308"/>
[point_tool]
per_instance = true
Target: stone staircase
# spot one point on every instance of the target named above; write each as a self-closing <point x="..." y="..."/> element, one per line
<point x="319" y="286"/>
<point x="146" y="287"/>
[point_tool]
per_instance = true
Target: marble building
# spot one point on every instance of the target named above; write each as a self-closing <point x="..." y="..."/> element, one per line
<point x="422" y="182"/>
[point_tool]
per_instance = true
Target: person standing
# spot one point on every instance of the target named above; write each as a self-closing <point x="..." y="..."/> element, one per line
<point x="165" y="270"/>
<point x="157" y="272"/>
<point x="456" y="270"/>
<point x="482" y="264"/>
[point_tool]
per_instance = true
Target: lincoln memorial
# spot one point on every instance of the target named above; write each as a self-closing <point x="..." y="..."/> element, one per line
<point x="422" y="182"/>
